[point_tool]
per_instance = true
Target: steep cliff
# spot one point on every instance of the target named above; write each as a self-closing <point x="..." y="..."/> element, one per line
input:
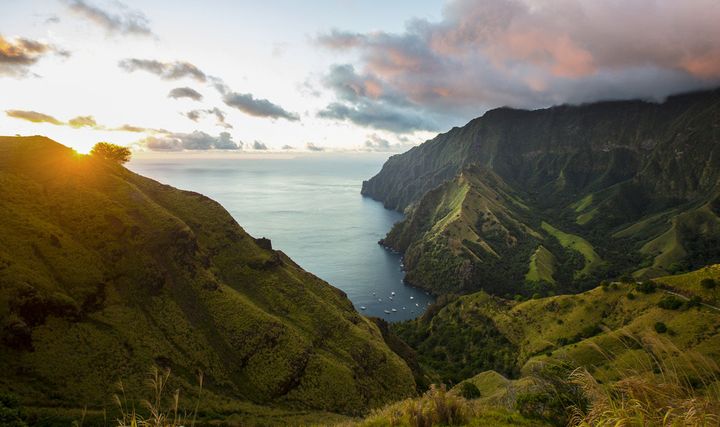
<point x="589" y="191"/>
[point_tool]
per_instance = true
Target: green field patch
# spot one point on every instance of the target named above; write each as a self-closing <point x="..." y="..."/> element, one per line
<point x="542" y="266"/>
<point x="576" y="243"/>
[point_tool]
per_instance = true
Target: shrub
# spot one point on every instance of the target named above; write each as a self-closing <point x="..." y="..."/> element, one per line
<point x="660" y="327"/>
<point x="630" y="296"/>
<point x="670" y="303"/>
<point x="469" y="390"/>
<point x="646" y="287"/>
<point x="694" y="301"/>
<point x="552" y="394"/>
<point x="626" y="278"/>
<point x="708" y="283"/>
<point x="10" y="412"/>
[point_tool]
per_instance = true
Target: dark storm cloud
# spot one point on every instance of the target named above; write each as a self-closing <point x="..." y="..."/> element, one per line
<point x="166" y="70"/>
<point x="185" y="92"/>
<point x="194" y="141"/>
<point x="520" y="53"/>
<point x="257" y="145"/>
<point x="16" y="56"/>
<point x="125" y="21"/>
<point x="257" y="107"/>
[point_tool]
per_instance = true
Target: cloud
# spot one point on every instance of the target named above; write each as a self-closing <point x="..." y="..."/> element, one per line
<point x="248" y="104"/>
<point x="185" y="92"/>
<point x="196" y="140"/>
<point x="257" y="145"/>
<point x="33" y="116"/>
<point x="76" y="122"/>
<point x="166" y="70"/>
<point x="137" y="129"/>
<point x="312" y="147"/>
<point x="526" y="53"/>
<point x="16" y="56"/>
<point x="83" y="121"/>
<point x="288" y="147"/>
<point x="196" y="115"/>
<point x="378" y="116"/>
<point x="377" y="143"/>
<point x="126" y="22"/>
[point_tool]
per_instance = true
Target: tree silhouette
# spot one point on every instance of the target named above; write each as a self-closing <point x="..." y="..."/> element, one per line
<point x="112" y="152"/>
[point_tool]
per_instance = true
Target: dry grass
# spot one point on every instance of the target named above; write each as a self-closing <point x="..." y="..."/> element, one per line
<point x="160" y="409"/>
<point x="669" y="387"/>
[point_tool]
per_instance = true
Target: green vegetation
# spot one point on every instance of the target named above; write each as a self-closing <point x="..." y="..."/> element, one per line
<point x="598" y="328"/>
<point x="542" y="266"/>
<point x="115" y="153"/>
<point x="576" y="243"/>
<point x="607" y="176"/>
<point x="104" y="273"/>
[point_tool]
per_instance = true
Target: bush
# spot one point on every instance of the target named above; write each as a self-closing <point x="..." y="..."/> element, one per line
<point x="660" y="327"/>
<point x="670" y="303"/>
<point x="469" y="390"/>
<point x="646" y="287"/>
<point x="708" y="283"/>
<point x="10" y="412"/>
<point x="630" y="296"/>
<point x="552" y="395"/>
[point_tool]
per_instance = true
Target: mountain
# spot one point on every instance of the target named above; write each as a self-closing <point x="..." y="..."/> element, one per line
<point x="105" y="274"/>
<point x="552" y="200"/>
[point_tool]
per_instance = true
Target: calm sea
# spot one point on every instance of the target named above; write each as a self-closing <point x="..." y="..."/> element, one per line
<point x="311" y="209"/>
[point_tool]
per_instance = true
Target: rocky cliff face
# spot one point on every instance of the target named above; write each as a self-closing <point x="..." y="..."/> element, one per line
<point x="624" y="186"/>
<point x="105" y="273"/>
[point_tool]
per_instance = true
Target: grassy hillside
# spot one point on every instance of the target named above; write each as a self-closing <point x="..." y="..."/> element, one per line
<point x="608" y="189"/>
<point x="602" y="329"/>
<point x="104" y="273"/>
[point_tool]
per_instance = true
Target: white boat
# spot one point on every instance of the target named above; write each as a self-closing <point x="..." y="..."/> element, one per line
<point x="379" y="299"/>
<point x="412" y="297"/>
<point x="390" y="298"/>
<point x="362" y="307"/>
<point x="417" y="305"/>
<point x="387" y="312"/>
<point x="392" y="293"/>
<point x="394" y="310"/>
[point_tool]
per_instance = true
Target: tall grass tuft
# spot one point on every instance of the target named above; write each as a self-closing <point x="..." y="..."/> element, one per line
<point x="436" y="407"/>
<point x="669" y="388"/>
<point x="160" y="408"/>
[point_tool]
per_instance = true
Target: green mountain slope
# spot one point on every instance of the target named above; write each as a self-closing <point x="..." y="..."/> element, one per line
<point x="605" y="188"/>
<point x="603" y="329"/>
<point x="105" y="273"/>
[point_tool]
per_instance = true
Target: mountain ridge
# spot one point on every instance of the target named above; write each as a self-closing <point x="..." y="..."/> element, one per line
<point x="630" y="169"/>
<point x="105" y="273"/>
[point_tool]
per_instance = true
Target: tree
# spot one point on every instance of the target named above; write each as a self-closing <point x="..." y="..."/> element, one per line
<point x="112" y="152"/>
<point x="708" y="283"/>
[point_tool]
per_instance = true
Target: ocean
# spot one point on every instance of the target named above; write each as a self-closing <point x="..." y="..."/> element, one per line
<point x="311" y="209"/>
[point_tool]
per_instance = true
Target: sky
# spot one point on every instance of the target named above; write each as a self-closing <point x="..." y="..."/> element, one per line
<point x="229" y="76"/>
